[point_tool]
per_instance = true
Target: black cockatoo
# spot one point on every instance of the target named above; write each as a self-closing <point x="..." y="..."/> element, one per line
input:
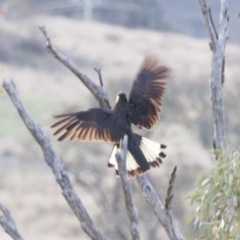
<point x="141" y="109"/>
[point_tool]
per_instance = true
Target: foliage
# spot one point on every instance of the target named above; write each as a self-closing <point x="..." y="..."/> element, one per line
<point x="218" y="199"/>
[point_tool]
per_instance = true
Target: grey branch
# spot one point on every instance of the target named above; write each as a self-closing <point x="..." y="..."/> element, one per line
<point x="121" y="156"/>
<point x="8" y="223"/>
<point x="98" y="91"/>
<point x="218" y="64"/>
<point x="98" y="70"/>
<point x="207" y="17"/>
<point x="165" y="218"/>
<point x="169" y="191"/>
<point x="147" y="189"/>
<point x="56" y="164"/>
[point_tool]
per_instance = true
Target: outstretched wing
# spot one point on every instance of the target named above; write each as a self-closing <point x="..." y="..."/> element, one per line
<point x="146" y="93"/>
<point x="92" y="125"/>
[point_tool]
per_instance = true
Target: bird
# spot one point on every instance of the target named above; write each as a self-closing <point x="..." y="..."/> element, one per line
<point x="141" y="109"/>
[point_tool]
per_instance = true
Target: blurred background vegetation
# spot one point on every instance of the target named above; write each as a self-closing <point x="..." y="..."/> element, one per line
<point x="217" y="197"/>
<point x="117" y="38"/>
<point x="182" y="17"/>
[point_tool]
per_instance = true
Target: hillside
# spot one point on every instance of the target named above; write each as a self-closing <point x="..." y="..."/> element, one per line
<point x="183" y="17"/>
<point x="186" y="18"/>
<point x="47" y="88"/>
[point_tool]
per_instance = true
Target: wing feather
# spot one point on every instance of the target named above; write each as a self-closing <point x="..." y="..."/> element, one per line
<point x="75" y="135"/>
<point x="147" y="91"/>
<point x="92" y="125"/>
<point x="62" y="128"/>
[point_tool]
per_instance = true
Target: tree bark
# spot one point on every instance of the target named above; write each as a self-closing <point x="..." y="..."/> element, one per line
<point x="8" y="223"/>
<point x="217" y="45"/>
<point x="121" y="156"/>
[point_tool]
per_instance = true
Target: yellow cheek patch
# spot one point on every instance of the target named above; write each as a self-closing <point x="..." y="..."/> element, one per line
<point x="117" y="99"/>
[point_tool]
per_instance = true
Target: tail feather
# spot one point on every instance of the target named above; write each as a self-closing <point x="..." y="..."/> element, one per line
<point x="134" y="149"/>
<point x="142" y="154"/>
<point x="152" y="150"/>
<point x="112" y="162"/>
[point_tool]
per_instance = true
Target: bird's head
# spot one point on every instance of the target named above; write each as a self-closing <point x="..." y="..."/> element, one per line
<point x="121" y="97"/>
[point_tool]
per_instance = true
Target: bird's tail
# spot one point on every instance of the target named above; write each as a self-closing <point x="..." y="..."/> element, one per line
<point x="142" y="154"/>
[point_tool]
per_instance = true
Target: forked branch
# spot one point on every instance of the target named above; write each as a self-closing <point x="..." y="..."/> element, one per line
<point x="217" y="44"/>
<point x="98" y="70"/>
<point x="98" y="91"/>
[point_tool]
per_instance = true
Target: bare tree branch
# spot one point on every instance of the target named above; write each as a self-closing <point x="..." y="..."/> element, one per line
<point x="115" y="209"/>
<point x="121" y="156"/>
<point x="218" y="65"/>
<point x="150" y="195"/>
<point x="166" y="219"/>
<point x="211" y="23"/>
<point x="98" y="70"/>
<point x="98" y="92"/>
<point x="56" y="164"/>
<point x="8" y="223"/>
<point x="207" y="17"/>
<point x="169" y="191"/>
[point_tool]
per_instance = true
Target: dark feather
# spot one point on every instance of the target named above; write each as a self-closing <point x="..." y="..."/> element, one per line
<point x="94" y="124"/>
<point x="142" y="109"/>
<point x="146" y="93"/>
<point x="162" y="154"/>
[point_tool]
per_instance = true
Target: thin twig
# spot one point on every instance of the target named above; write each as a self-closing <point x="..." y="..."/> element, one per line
<point x="121" y="156"/>
<point x="98" y="91"/>
<point x="98" y="70"/>
<point x="56" y="164"/>
<point x="214" y="31"/>
<point x="8" y="223"/>
<point x="169" y="191"/>
<point x="208" y="23"/>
